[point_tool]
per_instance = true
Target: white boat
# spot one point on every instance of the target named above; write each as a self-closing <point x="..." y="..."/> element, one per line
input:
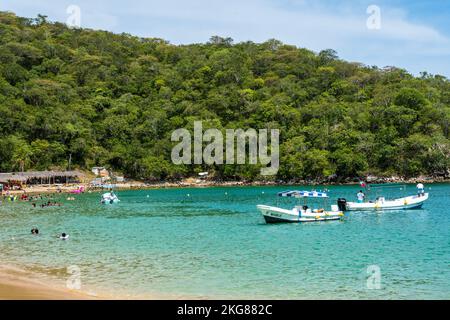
<point x="109" y="198"/>
<point x="300" y="214"/>
<point x="382" y="204"/>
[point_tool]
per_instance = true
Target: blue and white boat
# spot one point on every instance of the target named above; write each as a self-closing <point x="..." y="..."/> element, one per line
<point x="109" y="198"/>
<point x="301" y="213"/>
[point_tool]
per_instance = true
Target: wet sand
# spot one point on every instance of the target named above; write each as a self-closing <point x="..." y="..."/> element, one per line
<point x="16" y="284"/>
<point x="20" y="284"/>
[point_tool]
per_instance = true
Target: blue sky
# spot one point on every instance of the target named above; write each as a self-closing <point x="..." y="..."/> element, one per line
<point x="414" y="35"/>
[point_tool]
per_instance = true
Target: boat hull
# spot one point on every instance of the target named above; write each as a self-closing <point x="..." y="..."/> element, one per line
<point x="408" y="203"/>
<point x="277" y="215"/>
<point x="110" y="201"/>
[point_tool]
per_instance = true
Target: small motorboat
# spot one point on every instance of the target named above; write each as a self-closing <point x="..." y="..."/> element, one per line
<point x="300" y="214"/>
<point x="109" y="198"/>
<point x="383" y="204"/>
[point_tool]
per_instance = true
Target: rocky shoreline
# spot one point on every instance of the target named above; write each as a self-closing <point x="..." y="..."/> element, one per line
<point x="354" y="181"/>
<point x="192" y="183"/>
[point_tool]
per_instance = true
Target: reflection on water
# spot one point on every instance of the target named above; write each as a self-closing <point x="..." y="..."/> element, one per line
<point x="213" y="243"/>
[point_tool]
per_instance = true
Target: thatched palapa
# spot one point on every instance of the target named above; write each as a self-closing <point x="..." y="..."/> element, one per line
<point x="40" y="177"/>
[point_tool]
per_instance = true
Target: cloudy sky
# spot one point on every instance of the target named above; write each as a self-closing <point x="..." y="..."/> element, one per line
<point x="412" y="34"/>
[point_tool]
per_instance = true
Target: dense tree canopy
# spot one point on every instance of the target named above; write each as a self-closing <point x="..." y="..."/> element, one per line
<point x="114" y="99"/>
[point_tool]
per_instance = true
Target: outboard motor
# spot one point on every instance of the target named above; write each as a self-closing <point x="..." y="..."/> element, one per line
<point x="342" y="204"/>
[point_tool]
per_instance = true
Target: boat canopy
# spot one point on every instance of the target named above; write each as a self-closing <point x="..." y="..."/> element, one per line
<point x="303" y="194"/>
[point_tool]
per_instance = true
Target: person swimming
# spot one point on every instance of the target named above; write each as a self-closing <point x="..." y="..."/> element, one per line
<point x="35" y="231"/>
<point x="64" y="236"/>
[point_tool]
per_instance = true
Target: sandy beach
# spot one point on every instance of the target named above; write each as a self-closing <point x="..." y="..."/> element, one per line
<point x="20" y="284"/>
<point x="17" y="284"/>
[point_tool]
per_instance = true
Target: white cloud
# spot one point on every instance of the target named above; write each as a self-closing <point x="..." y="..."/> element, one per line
<point x="312" y="24"/>
<point x="305" y="23"/>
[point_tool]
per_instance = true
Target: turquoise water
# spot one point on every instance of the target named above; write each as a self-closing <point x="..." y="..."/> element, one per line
<point x="213" y="243"/>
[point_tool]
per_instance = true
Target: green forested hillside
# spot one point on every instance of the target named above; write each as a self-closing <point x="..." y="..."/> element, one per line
<point x="114" y="100"/>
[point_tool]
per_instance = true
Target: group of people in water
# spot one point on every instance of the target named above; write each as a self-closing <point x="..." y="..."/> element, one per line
<point x="26" y="198"/>
<point x="47" y="204"/>
<point x="33" y="199"/>
<point x="62" y="236"/>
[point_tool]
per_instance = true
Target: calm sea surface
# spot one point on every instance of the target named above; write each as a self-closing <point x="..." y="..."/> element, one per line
<point x="213" y="243"/>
